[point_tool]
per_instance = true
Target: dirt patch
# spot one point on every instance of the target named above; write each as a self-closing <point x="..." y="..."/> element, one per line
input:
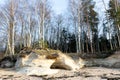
<point x="87" y="73"/>
<point x="91" y="73"/>
<point x="11" y="74"/>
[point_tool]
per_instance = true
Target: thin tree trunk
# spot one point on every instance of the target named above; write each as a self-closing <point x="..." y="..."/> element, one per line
<point x="89" y="34"/>
<point x="118" y="35"/>
<point x="22" y="31"/>
<point x="29" y="33"/>
<point x="76" y="37"/>
<point x="87" y="45"/>
<point x="11" y="38"/>
<point x="108" y="25"/>
<point x="79" y="32"/>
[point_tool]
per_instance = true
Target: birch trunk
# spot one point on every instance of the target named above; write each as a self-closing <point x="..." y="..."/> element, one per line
<point x="11" y="38"/>
<point x="79" y="32"/>
<point x="29" y="33"/>
<point x="11" y="29"/>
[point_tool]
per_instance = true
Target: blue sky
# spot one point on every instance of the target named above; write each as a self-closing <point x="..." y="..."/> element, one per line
<point x="2" y="1"/>
<point x="99" y="7"/>
<point x="59" y="6"/>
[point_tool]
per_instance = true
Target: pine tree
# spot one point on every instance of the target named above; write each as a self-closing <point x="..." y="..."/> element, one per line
<point x="114" y="17"/>
<point x="91" y="19"/>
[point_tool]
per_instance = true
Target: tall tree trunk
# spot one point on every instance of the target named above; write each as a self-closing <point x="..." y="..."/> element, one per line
<point x="22" y="33"/>
<point x="118" y="31"/>
<point x="91" y="47"/>
<point x="29" y="39"/>
<point x="11" y="31"/>
<point x="108" y="25"/>
<point x="118" y="34"/>
<point x="76" y="37"/>
<point x="98" y="45"/>
<point x="79" y="32"/>
<point x="43" y="24"/>
<point x="111" y="46"/>
<point x="87" y="44"/>
<point x="11" y="38"/>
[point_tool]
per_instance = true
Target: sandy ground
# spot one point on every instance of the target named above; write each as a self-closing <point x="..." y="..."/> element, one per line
<point x="91" y="73"/>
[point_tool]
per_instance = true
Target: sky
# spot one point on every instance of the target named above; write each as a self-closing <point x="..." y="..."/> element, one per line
<point x="59" y="6"/>
<point x="100" y="8"/>
<point x="2" y="2"/>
